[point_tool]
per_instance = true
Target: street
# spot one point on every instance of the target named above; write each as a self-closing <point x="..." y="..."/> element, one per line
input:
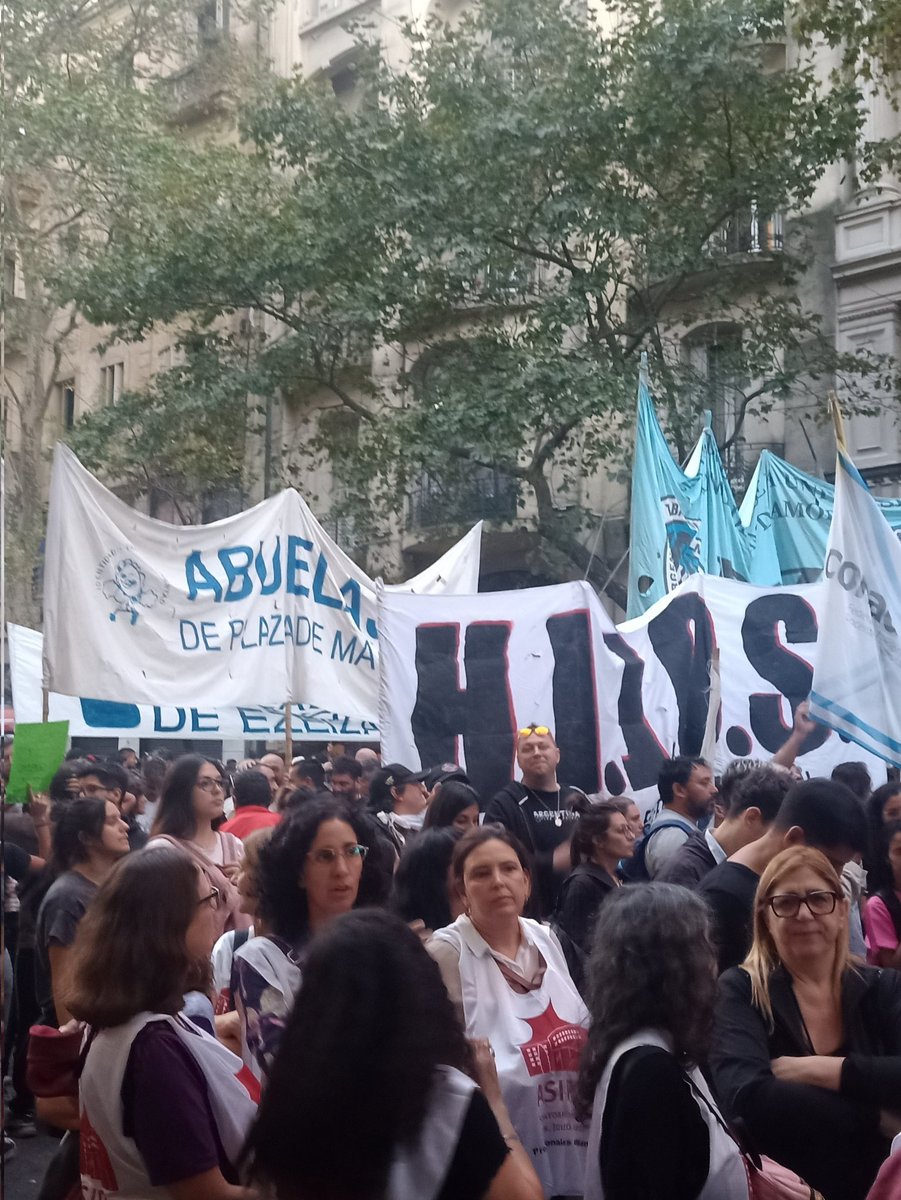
<point x="25" y="1170"/>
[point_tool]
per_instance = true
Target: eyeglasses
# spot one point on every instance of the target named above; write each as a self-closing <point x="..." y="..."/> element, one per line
<point x="327" y="857"/>
<point x="212" y="899"/>
<point x="538" y="730"/>
<point x="210" y="785"/>
<point x="788" y="904"/>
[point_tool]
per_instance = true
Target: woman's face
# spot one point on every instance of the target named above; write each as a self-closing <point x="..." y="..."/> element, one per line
<point x="331" y="874"/>
<point x="894" y="858"/>
<point x="494" y="883"/>
<point x="619" y="840"/>
<point x="633" y="816"/>
<point x="204" y="927"/>
<point x="114" y="835"/>
<point x="891" y="810"/>
<point x="208" y="794"/>
<point x="806" y="937"/>
<point x="466" y="819"/>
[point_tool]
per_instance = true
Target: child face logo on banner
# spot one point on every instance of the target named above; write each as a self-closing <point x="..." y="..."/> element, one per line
<point x="126" y="585"/>
<point x="682" y="554"/>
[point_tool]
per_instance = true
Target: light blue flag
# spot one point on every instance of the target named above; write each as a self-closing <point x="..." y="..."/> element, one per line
<point x="684" y="522"/>
<point x="788" y="513"/>
<point x="857" y="678"/>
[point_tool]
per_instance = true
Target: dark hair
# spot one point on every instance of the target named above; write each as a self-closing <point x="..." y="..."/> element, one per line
<point x="652" y="966"/>
<point x="309" y="768"/>
<point x="828" y="812"/>
<point x="129" y="954"/>
<point x="673" y="771"/>
<point x="153" y="771"/>
<point x="282" y="900"/>
<point x="113" y="776"/>
<point x="124" y="752"/>
<point x="420" y="882"/>
<point x="478" y="837"/>
<point x="878" y="875"/>
<point x="58" y="790"/>
<point x="452" y="799"/>
<point x="379" y="864"/>
<point x="594" y="821"/>
<point x="252" y="787"/>
<point x="763" y="787"/>
<point x="77" y="824"/>
<point x="854" y="775"/>
<point x="347" y="766"/>
<point x="889" y="831"/>
<point x="175" y="811"/>
<point x="733" y="775"/>
<point x="371" y="1025"/>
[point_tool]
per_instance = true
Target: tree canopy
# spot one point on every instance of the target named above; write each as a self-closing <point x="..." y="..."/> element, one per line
<point x="516" y="206"/>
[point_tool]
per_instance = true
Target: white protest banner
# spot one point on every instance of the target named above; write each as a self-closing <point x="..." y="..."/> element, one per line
<point x="461" y="674"/>
<point x="857" y="685"/>
<point x="259" y="608"/>
<point x="111" y="718"/>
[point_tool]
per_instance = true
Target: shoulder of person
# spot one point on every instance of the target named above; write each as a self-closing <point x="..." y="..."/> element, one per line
<point x="509" y="795"/>
<point x="587" y="877"/>
<point x="735" y="984"/>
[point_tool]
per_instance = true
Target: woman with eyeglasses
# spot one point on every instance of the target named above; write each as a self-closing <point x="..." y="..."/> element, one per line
<point x="191" y="801"/>
<point x="309" y="873"/>
<point x="807" y="1048"/>
<point x="165" y="1107"/>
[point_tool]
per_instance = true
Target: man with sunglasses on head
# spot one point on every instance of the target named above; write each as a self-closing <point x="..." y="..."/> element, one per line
<point x="536" y="811"/>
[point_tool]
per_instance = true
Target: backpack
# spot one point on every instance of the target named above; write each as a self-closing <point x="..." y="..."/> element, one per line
<point x="635" y="869"/>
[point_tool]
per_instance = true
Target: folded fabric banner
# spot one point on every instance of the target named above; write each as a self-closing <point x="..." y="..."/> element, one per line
<point x="857" y="684"/>
<point x="684" y="522"/>
<point x="110" y="718"/>
<point x="259" y="608"/>
<point x="460" y="674"/>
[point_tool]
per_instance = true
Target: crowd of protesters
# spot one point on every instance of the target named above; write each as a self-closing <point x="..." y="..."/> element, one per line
<point x="334" y="979"/>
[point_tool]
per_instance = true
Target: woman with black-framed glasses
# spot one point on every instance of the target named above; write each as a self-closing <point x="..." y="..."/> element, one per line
<point x="309" y="872"/>
<point x="807" y="1052"/>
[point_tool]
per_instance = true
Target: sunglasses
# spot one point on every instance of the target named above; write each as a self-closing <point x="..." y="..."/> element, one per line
<point x="538" y="730"/>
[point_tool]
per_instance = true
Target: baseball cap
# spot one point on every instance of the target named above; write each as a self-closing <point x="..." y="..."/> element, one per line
<point x="443" y="773"/>
<point x="394" y="775"/>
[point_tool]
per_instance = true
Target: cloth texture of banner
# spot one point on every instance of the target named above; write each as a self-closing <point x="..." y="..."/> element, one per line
<point x="857" y="685"/>
<point x="111" y="718"/>
<point x="461" y="674"/>
<point x="259" y="608"/>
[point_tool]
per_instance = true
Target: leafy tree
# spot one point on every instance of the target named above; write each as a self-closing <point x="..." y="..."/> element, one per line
<point x="508" y="221"/>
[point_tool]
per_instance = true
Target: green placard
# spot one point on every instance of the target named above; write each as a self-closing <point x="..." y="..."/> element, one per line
<point x="38" y="751"/>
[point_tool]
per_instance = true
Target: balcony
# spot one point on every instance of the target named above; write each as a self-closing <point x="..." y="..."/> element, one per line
<point x="749" y="232"/>
<point x="487" y="494"/>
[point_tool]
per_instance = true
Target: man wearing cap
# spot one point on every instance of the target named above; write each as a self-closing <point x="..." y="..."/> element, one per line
<point x="536" y="811"/>
<point x="398" y="798"/>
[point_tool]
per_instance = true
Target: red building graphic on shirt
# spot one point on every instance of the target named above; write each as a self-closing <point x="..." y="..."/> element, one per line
<point x="555" y="1044"/>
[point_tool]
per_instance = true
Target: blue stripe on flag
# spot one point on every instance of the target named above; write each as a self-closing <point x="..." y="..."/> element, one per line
<point x="848" y="718"/>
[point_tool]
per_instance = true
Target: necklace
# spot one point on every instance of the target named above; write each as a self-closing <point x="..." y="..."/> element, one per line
<point x="558" y="818"/>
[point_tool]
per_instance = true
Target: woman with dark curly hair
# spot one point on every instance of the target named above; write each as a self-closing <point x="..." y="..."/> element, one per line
<point x="165" y="1108"/>
<point x="455" y="806"/>
<point x="651" y="991"/>
<point x="882" y="806"/>
<point x="309" y="873"/>
<point x="372" y="1052"/>
<point x="510" y="981"/>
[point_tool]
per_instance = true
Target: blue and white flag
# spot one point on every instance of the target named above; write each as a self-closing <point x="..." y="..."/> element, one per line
<point x="857" y="679"/>
<point x="684" y="522"/>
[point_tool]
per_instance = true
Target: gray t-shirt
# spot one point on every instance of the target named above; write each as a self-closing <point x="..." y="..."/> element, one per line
<point x="60" y="912"/>
<point x="664" y="845"/>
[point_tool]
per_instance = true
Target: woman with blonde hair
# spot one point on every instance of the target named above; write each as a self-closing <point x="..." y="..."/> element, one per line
<point x="807" y="1047"/>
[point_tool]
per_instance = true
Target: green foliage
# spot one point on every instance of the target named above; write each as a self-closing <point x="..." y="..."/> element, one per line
<point x="515" y="216"/>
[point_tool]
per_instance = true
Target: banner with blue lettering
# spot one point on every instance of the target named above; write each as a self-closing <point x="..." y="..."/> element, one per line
<point x="111" y="718"/>
<point x="684" y="522"/>
<point x="857" y="686"/>
<point x="259" y="608"/>
<point x="460" y="674"/>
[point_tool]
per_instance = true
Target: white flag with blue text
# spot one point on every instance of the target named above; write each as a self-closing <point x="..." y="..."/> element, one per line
<point x="857" y="678"/>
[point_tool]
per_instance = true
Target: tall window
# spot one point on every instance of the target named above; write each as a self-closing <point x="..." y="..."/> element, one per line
<point x="66" y="403"/>
<point x="111" y="378"/>
<point x="212" y="22"/>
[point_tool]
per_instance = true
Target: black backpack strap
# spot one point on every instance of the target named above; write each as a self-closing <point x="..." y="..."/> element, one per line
<point x="241" y="936"/>
<point x="889" y="898"/>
